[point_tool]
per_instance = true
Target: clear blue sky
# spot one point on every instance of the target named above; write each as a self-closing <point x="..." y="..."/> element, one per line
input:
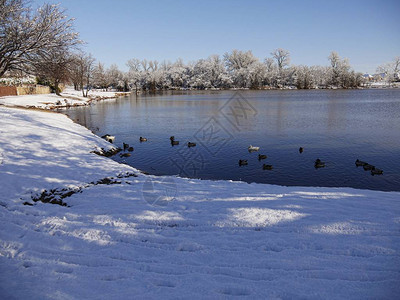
<point x="366" y="32"/>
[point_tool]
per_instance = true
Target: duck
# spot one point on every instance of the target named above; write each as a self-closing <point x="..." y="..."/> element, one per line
<point x="319" y="164"/>
<point x="376" y="171"/>
<point x="368" y="167"/>
<point x="301" y="149"/>
<point x="142" y="139"/>
<point x="126" y="146"/>
<point x="173" y="142"/>
<point x="130" y="149"/>
<point x="261" y="156"/>
<point x="360" y="163"/>
<point x="125" y="155"/>
<point x="267" y="167"/>
<point x="109" y="138"/>
<point x="253" y="148"/>
<point x="190" y="144"/>
<point x="243" y="162"/>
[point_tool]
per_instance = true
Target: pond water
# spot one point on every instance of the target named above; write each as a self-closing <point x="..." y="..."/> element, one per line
<point x="336" y="126"/>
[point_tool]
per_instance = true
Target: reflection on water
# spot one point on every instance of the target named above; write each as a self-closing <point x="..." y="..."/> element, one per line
<point x="337" y="126"/>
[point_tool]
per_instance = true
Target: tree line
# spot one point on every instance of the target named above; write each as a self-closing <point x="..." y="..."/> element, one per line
<point x="43" y="43"/>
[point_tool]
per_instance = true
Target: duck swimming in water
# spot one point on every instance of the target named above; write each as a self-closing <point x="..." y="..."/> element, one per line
<point x="319" y="164"/>
<point x="243" y="162"/>
<point x="376" y="171"/>
<point x="253" y="148"/>
<point x="173" y="142"/>
<point x="261" y="156"/>
<point x="267" y="167"/>
<point x="190" y="144"/>
<point x="142" y="139"/>
<point x="360" y="163"/>
<point x="368" y="167"/>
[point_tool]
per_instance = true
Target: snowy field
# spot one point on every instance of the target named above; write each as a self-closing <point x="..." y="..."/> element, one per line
<point x="69" y="97"/>
<point x="149" y="237"/>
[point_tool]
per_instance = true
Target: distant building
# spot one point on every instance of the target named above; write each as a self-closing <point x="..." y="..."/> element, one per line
<point x="368" y="77"/>
<point x="379" y="77"/>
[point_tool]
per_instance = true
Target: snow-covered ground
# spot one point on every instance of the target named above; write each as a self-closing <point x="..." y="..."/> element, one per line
<point x="174" y="238"/>
<point x="92" y="93"/>
<point x="69" y="97"/>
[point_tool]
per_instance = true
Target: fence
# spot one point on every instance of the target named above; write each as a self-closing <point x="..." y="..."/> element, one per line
<point x="23" y="90"/>
<point x="8" y="91"/>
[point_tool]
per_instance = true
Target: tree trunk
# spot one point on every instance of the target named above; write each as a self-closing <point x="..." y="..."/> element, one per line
<point x="56" y="87"/>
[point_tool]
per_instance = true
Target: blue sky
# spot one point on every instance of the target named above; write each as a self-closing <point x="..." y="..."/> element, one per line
<point x="366" y="32"/>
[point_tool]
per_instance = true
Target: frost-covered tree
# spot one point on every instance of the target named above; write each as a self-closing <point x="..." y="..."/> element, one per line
<point x="341" y="74"/>
<point x="304" y="77"/>
<point x="321" y="75"/>
<point x="201" y="75"/>
<point x="217" y="73"/>
<point x="282" y="58"/>
<point x="237" y="59"/>
<point x="240" y="66"/>
<point x="27" y="36"/>
<point x="53" y="68"/>
<point x="82" y="71"/>
<point x="339" y="70"/>
<point x="100" y="76"/>
<point x="153" y="76"/>
<point x="134" y="73"/>
<point x="239" y="69"/>
<point x="271" y="72"/>
<point x="391" y="70"/>
<point x="177" y="74"/>
<point x="115" y="77"/>
<point x="256" y="74"/>
<point x="209" y="73"/>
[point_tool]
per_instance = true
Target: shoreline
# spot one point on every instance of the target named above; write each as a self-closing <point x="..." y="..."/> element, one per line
<point x="113" y="147"/>
<point x="69" y="98"/>
<point x="123" y="233"/>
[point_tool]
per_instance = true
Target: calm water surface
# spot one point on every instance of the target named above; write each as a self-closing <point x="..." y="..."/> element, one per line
<point x="337" y="126"/>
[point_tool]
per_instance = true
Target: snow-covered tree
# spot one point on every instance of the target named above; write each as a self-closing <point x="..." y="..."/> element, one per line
<point x="339" y="70"/>
<point x="271" y="72"/>
<point x="82" y="71"/>
<point x="391" y="70"/>
<point x="177" y="74"/>
<point x="304" y="77"/>
<point x="282" y="76"/>
<point x="115" y="77"/>
<point x="282" y="58"/>
<point x="240" y="66"/>
<point x="134" y="73"/>
<point x="53" y="68"/>
<point x="27" y="36"/>
<point x="100" y="79"/>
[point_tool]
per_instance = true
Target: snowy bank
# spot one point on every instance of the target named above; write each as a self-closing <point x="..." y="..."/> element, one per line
<point x="69" y="97"/>
<point x="167" y="237"/>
